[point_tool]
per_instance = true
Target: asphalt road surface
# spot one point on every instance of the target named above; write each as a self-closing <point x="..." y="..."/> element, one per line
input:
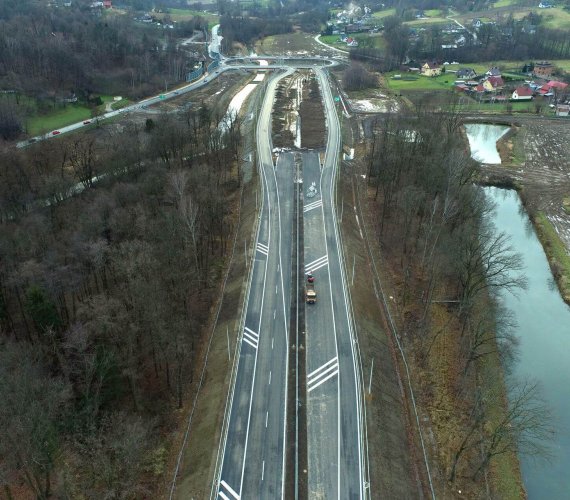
<point x="334" y="405"/>
<point x="253" y="449"/>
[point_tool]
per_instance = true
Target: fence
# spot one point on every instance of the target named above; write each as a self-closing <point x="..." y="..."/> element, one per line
<point x="193" y="75"/>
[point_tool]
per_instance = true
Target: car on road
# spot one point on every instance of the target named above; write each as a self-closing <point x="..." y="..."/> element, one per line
<point x="86" y="122"/>
<point x="56" y="132"/>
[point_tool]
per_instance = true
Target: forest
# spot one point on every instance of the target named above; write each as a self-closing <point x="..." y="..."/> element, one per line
<point x="449" y="266"/>
<point x="48" y="54"/>
<point x="111" y="248"/>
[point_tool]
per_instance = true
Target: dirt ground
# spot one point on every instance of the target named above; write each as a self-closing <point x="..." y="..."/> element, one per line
<point x="311" y="111"/>
<point x="537" y="156"/>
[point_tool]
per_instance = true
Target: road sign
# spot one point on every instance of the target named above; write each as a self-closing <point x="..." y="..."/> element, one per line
<point x="336" y="98"/>
<point x="161" y="96"/>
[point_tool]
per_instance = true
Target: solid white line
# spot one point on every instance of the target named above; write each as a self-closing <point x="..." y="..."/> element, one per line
<point x="322" y="367"/>
<point x="323" y="380"/>
<point x="323" y="374"/>
<point x="230" y="490"/>
<point x="250" y="343"/>
<point x="223" y="495"/>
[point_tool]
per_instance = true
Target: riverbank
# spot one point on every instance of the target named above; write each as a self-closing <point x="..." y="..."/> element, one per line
<point x="537" y="167"/>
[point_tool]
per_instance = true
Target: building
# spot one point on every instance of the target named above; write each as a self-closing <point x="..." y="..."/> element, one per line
<point x="465" y="74"/>
<point x="543" y="69"/>
<point x="545" y="5"/>
<point x="563" y="110"/>
<point x="431" y="69"/>
<point x="494" y="71"/>
<point x="522" y="94"/>
<point x="493" y="83"/>
<point x="107" y="4"/>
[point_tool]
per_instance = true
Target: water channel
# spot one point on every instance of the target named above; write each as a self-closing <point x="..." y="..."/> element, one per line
<point x="543" y="329"/>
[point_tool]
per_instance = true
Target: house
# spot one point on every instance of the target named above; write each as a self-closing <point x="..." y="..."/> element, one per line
<point x="431" y="69"/>
<point x="107" y="4"/>
<point x="553" y="84"/>
<point x="352" y="43"/>
<point x="543" y="69"/>
<point x="494" y="71"/>
<point x="493" y="83"/>
<point x="465" y="73"/>
<point x="563" y="110"/>
<point x="545" y="5"/>
<point x="461" y="87"/>
<point x="522" y="94"/>
<point x="477" y="23"/>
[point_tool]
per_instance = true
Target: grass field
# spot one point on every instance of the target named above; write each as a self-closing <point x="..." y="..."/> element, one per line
<point x="187" y="14"/>
<point x="384" y="13"/>
<point x="364" y="40"/>
<point x="505" y="3"/>
<point x="555" y="18"/>
<point x="417" y="82"/>
<point x="66" y="116"/>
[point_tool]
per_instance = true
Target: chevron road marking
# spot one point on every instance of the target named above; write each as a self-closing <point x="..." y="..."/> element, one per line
<point x="262" y="248"/>
<point x="322" y="374"/>
<point x="229" y="489"/>
<point x="250" y="337"/>
<point x="311" y="206"/>
<point x="317" y="264"/>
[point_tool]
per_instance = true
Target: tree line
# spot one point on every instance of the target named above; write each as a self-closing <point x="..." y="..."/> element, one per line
<point x="103" y="297"/>
<point x="435" y="227"/>
<point x="47" y="53"/>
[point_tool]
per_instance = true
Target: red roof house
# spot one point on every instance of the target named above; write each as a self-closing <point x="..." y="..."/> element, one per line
<point x="107" y="4"/>
<point x="522" y="94"/>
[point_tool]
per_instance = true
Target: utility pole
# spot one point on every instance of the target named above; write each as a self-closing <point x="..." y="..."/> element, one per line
<point x="353" y="263"/>
<point x="370" y="382"/>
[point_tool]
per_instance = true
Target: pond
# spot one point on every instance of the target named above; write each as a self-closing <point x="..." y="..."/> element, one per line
<point x="544" y="331"/>
<point x="483" y="141"/>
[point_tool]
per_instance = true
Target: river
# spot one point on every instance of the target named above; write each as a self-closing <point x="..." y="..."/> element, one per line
<point x="544" y="332"/>
<point x="483" y="141"/>
<point x="543" y="329"/>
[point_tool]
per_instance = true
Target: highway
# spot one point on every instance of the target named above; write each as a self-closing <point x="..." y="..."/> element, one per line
<point x="334" y="407"/>
<point x="252" y="453"/>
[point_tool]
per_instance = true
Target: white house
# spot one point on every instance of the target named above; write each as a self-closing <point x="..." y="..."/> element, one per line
<point x="522" y="94"/>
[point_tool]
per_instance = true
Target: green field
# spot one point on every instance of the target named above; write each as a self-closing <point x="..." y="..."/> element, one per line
<point x="187" y="14"/>
<point x="72" y="113"/>
<point x="364" y="40"/>
<point x="418" y="82"/>
<point x="433" y="13"/>
<point x="384" y="13"/>
<point x="430" y="21"/>
<point x="505" y="3"/>
<point x="556" y="18"/>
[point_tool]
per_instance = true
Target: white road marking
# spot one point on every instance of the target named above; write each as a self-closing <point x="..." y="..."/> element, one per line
<point x="266" y="418"/>
<point x="272" y="343"/>
<point x="322" y="381"/>
<point x="274" y="312"/>
<point x="250" y="337"/>
<point x="317" y="264"/>
<point x="229" y="490"/>
<point x="262" y="470"/>
<point x="223" y="495"/>
<point x="311" y="206"/>
<point x="270" y="377"/>
<point x="276" y="289"/>
<point x="262" y="248"/>
<point x="310" y="375"/>
<point x="322" y="374"/>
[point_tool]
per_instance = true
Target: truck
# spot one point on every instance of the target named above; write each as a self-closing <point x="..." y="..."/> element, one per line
<point x="310" y="293"/>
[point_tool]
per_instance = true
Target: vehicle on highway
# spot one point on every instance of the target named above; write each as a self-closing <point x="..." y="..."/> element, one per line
<point x="310" y="277"/>
<point x="310" y="293"/>
<point x="86" y="122"/>
<point x="56" y="132"/>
